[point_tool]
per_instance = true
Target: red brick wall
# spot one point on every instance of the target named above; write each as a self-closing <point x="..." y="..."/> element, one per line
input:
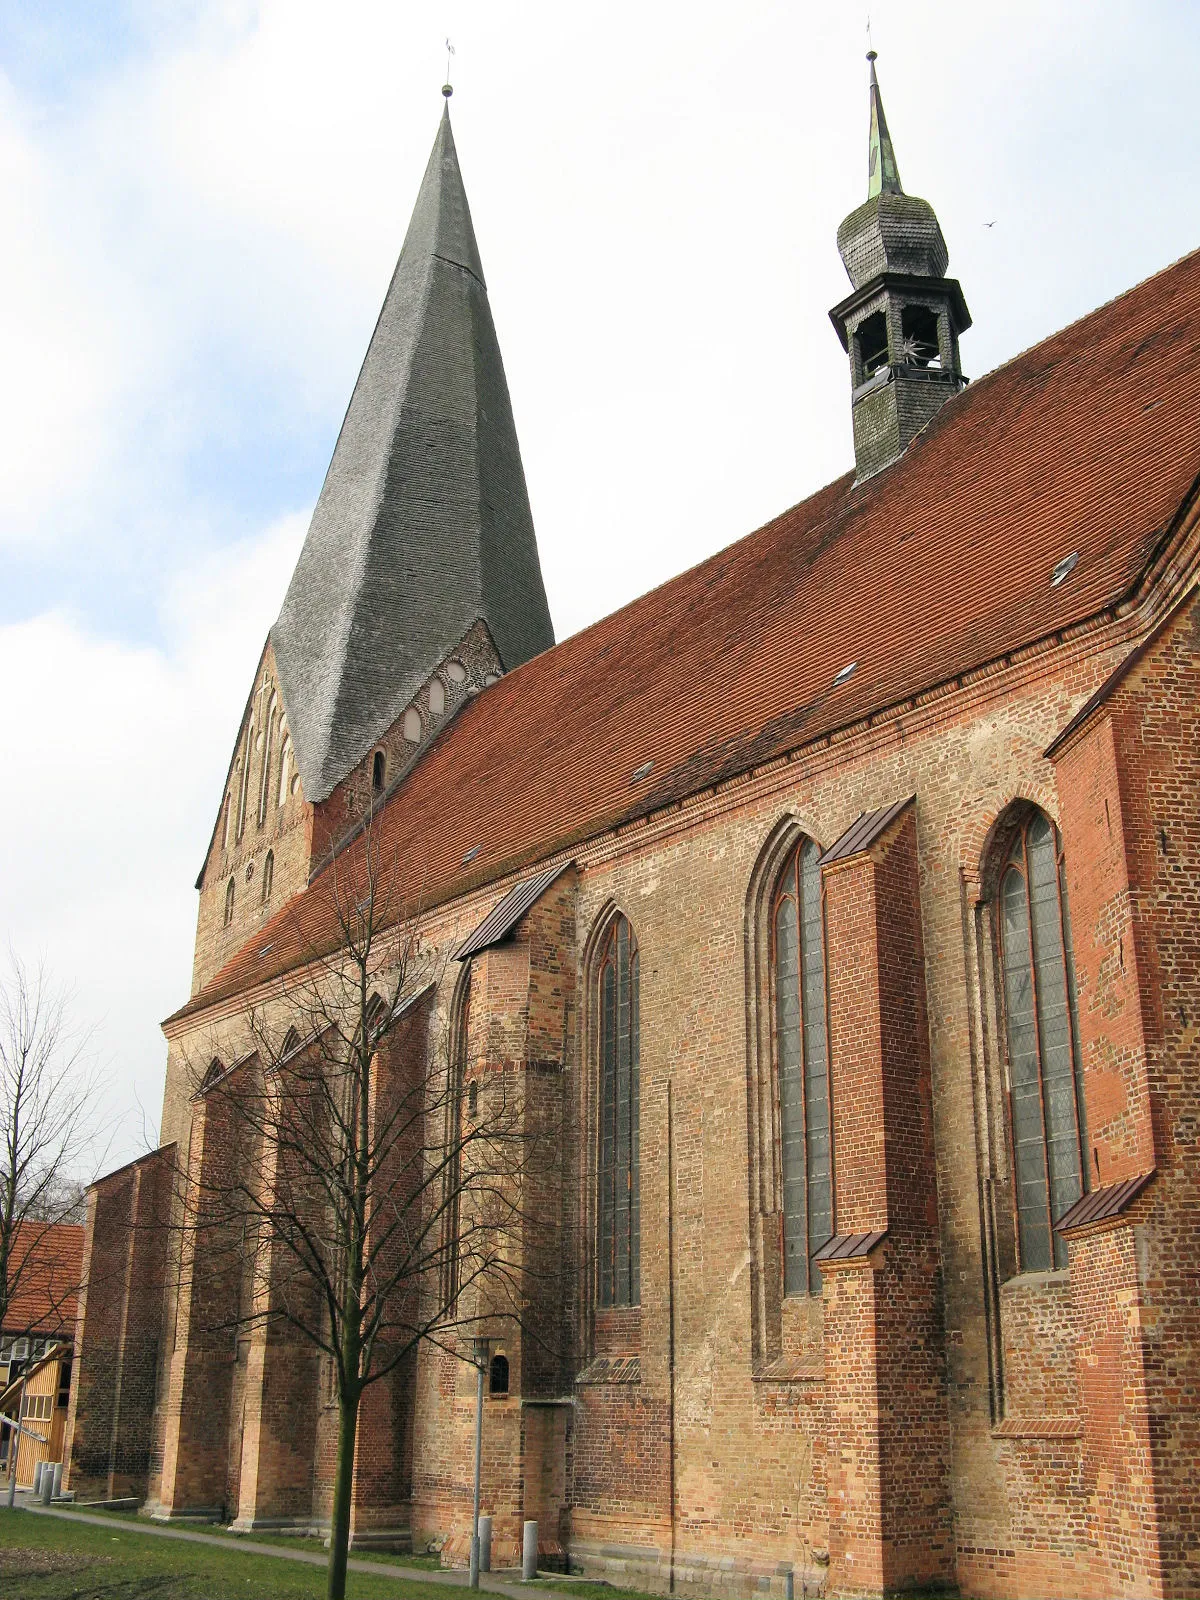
<point x="109" y="1432"/>
<point x="196" y="1421"/>
<point x="888" y="1414"/>
<point x="1131" y="785"/>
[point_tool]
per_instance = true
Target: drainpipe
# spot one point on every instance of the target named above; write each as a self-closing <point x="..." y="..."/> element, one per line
<point x="480" y="1352"/>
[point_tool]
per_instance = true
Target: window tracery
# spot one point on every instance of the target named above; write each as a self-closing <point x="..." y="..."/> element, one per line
<point x="618" y="1184"/>
<point x="801" y="1064"/>
<point x="1041" y="1029"/>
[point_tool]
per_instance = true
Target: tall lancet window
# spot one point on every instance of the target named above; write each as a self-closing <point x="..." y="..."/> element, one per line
<point x="244" y="783"/>
<point x="264" y="787"/>
<point x="285" y="770"/>
<point x="618" y="1203"/>
<point x="802" y="1067"/>
<point x="1041" y="1023"/>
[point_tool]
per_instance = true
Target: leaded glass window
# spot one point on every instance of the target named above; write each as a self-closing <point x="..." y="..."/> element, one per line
<point x="1045" y="1068"/>
<point x="617" y="1244"/>
<point x="802" y="1067"/>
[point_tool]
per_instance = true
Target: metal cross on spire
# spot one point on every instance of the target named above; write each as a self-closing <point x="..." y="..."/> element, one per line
<point x="448" y="87"/>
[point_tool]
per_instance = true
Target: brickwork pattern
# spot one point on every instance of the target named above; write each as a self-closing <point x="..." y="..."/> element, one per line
<point x="725" y="1455"/>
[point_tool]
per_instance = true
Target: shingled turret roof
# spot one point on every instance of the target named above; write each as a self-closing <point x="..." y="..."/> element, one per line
<point x="423" y="524"/>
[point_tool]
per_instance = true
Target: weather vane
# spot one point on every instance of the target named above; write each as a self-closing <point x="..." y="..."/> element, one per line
<point x="447" y="87"/>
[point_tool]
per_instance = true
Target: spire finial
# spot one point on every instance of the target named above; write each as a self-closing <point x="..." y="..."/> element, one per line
<point x="883" y="175"/>
<point x="448" y="87"/>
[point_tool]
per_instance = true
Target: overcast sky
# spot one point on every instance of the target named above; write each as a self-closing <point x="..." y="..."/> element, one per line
<point x="203" y="204"/>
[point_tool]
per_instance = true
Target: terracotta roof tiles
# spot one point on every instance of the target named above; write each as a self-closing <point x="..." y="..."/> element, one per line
<point x="1088" y="443"/>
<point x="49" y="1266"/>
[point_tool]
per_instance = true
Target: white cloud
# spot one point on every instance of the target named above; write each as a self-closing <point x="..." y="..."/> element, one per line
<point x="199" y="235"/>
<point x="123" y="752"/>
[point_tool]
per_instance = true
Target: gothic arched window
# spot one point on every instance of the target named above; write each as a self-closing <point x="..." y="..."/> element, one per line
<point x="802" y="1066"/>
<point x="244" y="782"/>
<point x="378" y="771"/>
<point x="617" y="1243"/>
<point x="229" y="902"/>
<point x="268" y="736"/>
<point x="1041" y="1025"/>
<point x="285" y="764"/>
<point x="268" y="876"/>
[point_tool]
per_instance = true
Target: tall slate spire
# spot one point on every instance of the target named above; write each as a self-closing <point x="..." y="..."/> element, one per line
<point x="883" y="175"/>
<point x="423" y="524"/>
<point x="900" y="326"/>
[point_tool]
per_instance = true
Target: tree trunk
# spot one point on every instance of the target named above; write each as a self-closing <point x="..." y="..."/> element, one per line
<point x="343" y="1485"/>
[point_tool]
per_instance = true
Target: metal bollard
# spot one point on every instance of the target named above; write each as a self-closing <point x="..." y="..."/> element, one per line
<point x="529" y="1552"/>
<point x="37" y="1477"/>
<point x="58" y="1472"/>
<point x="47" y="1482"/>
<point x="485" y="1544"/>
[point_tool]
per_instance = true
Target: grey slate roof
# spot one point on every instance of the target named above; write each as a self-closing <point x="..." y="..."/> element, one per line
<point x="423" y="524"/>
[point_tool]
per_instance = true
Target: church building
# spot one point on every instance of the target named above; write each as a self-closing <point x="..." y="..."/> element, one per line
<point x="843" y="892"/>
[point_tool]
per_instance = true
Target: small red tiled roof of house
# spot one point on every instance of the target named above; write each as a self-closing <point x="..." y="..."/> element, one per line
<point x="49" y="1260"/>
<point x="1086" y="446"/>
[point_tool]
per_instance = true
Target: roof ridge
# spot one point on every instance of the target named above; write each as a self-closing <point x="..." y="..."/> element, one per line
<point x="975" y="388"/>
<point x="922" y="576"/>
<point x="1069" y="327"/>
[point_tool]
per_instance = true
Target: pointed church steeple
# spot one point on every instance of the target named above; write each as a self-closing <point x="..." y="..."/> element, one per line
<point x="883" y="175"/>
<point x="423" y="523"/>
<point x="901" y="324"/>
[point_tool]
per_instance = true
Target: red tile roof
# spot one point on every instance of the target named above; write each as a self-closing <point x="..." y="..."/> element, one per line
<point x="49" y="1266"/>
<point x="1088" y="442"/>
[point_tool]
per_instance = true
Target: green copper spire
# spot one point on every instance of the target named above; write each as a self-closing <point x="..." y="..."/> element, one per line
<point x="883" y="175"/>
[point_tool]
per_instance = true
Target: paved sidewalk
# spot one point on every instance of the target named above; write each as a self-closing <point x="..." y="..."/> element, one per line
<point x="459" y="1580"/>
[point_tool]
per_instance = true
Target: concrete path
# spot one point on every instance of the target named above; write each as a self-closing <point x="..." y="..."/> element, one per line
<point x="458" y="1580"/>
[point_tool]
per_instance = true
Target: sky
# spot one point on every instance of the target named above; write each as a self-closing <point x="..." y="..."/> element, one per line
<point x="204" y="202"/>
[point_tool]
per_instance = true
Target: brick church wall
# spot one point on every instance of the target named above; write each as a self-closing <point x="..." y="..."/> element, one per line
<point x="888" y="1416"/>
<point x="704" y="1426"/>
<point x="1130" y="777"/>
<point x="118" y="1332"/>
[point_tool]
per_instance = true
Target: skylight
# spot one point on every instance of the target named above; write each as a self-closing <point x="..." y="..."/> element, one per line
<point x="471" y="854"/>
<point x="642" y="772"/>
<point x="846" y="672"/>
<point x="1064" y="569"/>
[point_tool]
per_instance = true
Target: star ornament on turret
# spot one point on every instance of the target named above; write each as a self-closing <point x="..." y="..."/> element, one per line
<point x="901" y="323"/>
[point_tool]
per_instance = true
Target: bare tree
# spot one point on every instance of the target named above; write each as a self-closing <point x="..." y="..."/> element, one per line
<point x="353" y="1190"/>
<point x="48" y="1129"/>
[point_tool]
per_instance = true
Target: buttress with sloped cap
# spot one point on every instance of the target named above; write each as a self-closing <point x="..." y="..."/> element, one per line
<point x="423" y="523"/>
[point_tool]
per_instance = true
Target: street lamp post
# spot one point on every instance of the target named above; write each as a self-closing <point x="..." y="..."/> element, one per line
<point x="480" y="1350"/>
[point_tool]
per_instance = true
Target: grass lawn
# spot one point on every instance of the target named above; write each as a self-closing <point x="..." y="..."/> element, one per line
<point x="53" y="1558"/>
<point x="287" y="1541"/>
